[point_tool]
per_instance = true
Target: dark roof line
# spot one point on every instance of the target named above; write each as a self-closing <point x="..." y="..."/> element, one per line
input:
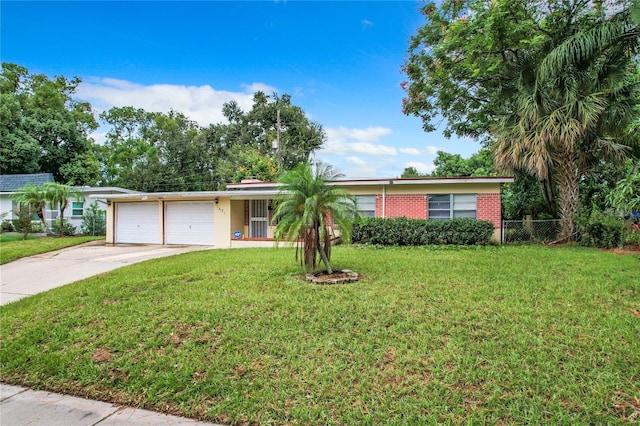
<point x="12" y="183"/>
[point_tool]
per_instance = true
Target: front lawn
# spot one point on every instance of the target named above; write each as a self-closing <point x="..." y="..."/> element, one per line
<point x="7" y="238"/>
<point x="482" y="335"/>
<point x="12" y="248"/>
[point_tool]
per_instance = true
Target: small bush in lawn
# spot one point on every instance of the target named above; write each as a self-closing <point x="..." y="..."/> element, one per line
<point x="600" y="230"/>
<point x="22" y="222"/>
<point x="63" y="228"/>
<point x="632" y="237"/>
<point x="6" y="226"/>
<point x="417" y="232"/>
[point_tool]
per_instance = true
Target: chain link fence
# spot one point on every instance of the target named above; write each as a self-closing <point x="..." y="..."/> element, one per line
<point x="530" y="231"/>
<point x="94" y="224"/>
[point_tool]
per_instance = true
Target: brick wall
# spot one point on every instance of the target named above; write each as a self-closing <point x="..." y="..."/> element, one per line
<point x="412" y="206"/>
<point x="488" y="208"/>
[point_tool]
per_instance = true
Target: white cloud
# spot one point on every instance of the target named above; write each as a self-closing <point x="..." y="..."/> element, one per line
<point x="433" y="150"/>
<point x="343" y="140"/>
<point x="202" y="104"/>
<point x="429" y="150"/>
<point x="259" y="87"/>
<point x="421" y="167"/>
<point x="410" y="151"/>
<point x="367" y="23"/>
<point x="356" y="161"/>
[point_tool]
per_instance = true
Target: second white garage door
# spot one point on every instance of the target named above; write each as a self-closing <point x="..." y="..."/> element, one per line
<point x="189" y="222"/>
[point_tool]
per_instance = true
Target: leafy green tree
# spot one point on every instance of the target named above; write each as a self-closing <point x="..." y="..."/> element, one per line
<point x="304" y="206"/>
<point x="94" y="220"/>
<point x="256" y="166"/>
<point x="625" y="197"/>
<point x="453" y="165"/>
<point x="149" y="151"/>
<point x="412" y="172"/>
<point x="22" y="221"/>
<point x="259" y="129"/>
<point x="43" y="127"/>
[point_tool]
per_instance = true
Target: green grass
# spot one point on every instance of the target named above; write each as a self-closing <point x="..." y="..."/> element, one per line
<point x="7" y="238"/>
<point x="481" y="335"/>
<point x="12" y="248"/>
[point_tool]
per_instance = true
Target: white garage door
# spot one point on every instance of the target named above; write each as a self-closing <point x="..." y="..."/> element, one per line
<point x="189" y="222"/>
<point x="138" y="223"/>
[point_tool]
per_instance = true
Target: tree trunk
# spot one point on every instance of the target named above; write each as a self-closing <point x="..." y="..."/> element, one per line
<point x="549" y="197"/>
<point x="310" y="245"/>
<point x="567" y="180"/>
<point x="323" y="255"/>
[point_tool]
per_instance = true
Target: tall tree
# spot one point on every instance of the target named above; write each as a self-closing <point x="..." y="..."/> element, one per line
<point x="271" y="119"/>
<point x="305" y="205"/>
<point x="572" y="107"/>
<point x="44" y="128"/>
<point x="555" y="75"/>
<point x="151" y="151"/>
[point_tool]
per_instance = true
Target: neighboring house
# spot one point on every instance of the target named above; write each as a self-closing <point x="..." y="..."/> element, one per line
<point x="241" y="215"/>
<point x="11" y="184"/>
<point x="76" y="205"/>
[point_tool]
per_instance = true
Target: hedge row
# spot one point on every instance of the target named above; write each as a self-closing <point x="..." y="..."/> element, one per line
<point x="416" y="232"/>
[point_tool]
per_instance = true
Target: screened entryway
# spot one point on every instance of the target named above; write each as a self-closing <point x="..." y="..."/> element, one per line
<point x="258" y="218"/>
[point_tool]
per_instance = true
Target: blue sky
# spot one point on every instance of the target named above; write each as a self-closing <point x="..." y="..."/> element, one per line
<point x="340" y="61"/>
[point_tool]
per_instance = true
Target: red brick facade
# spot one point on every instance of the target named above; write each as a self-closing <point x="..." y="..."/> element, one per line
<point x="488" y="208"/>
<point x="414" y="206"/>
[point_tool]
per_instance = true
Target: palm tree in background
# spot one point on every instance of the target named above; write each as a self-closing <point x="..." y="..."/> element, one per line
<point x="573" y="107"/>
<point x="57" y="195"/>
<point x="303" y="208"/>
<point x="32" y="196"/>
<point x="54" y="194"/>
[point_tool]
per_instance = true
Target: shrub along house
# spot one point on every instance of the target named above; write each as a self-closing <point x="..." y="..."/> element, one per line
<point x="241" y="215"/>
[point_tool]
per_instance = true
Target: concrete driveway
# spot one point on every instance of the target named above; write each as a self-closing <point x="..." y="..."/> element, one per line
<point x="42" y="272"/>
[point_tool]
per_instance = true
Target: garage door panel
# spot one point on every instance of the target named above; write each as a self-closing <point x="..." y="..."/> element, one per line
<point x="189" y="223"/>
<point x="138" y="223"/>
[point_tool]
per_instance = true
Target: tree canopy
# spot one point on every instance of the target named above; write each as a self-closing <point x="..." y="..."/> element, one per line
<point x="454" y="165"/>
<point x="43" y="128"/>
<point x="152" y="151"/>
<point x="552" y="86"/>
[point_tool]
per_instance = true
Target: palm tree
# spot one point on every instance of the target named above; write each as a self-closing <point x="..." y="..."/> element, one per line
<point x="32" y="196"/>
<point x="572" y="107"/>
<point x="305" y="204"/>
<point x="58" y="196"/>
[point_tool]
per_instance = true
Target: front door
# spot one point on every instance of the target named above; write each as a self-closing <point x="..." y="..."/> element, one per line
<point x="258" y="218"/>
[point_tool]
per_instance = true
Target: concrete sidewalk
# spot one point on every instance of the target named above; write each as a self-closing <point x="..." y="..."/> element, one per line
<point x="36" y="274"/>
<point x="20" y="406"/>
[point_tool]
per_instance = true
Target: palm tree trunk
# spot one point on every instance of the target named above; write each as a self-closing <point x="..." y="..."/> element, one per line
<point x="549" y="197"/>
<point x="567" y="181"/>
<point x="323" y="254"/>
<point x="310" y="244"/>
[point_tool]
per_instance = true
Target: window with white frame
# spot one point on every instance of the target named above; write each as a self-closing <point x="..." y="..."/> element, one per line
<point x="449" y="206"/>
<point x="366" y="205"/>
<point x="77" y="208"/>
